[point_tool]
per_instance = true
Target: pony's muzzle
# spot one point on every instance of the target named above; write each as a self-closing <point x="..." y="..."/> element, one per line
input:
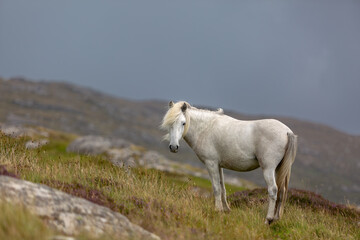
<point x="173" y="148"/>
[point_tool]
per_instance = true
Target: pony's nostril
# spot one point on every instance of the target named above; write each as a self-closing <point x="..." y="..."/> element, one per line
<point x="173" y="148"/>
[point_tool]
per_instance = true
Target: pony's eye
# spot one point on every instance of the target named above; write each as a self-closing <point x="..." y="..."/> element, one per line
<point x="184" y="124"/>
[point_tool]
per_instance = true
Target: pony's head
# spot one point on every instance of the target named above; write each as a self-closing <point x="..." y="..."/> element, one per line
<point x="176" y="121"/>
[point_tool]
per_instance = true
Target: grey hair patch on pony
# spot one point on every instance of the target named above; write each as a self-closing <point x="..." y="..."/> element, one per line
<point x="184" y="107"/>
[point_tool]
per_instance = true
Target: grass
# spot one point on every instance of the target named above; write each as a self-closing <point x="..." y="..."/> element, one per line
<point x="165" y="204"/>
<point x="202" y="183"/>
<point x="16" y="223"/>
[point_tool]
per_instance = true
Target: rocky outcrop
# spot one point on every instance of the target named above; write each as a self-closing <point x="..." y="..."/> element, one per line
<point x="69" y="214"/>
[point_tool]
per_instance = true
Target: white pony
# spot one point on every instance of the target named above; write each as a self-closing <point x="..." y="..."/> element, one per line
<point x="221" y="141"/>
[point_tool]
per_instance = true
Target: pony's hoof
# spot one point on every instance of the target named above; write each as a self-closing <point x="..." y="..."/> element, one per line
<point x="268" y="221"/>
<point x="226" y="208"/>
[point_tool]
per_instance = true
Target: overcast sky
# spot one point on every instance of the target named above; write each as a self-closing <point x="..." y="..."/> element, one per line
<point x="290" y="58"/>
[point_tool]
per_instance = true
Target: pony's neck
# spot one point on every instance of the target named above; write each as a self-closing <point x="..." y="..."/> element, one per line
<point x="200" y="121"/>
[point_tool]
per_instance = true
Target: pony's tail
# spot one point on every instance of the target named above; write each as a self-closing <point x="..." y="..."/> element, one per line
<point x="283" y="172"/>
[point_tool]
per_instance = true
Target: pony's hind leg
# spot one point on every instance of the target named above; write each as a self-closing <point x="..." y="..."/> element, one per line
<point x="269" y="175"/>
<point x="213" y="169"/>
<point x="223" y="191"/>
<point x="278" y="203"/>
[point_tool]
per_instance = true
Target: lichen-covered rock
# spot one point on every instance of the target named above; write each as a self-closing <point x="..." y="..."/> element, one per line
<point x="124" y="157"/>
<point x="69" y="214"/>
<point x="89" y="145"/>
<point x="94" y="145"/>
<point x="19" y="131"/>
<point x="153" y="159"/>
<point x="36" y="144"/>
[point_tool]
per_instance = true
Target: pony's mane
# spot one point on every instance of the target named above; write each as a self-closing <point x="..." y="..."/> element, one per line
<point x="172" y="114"/>
<point x="218" y="111"/>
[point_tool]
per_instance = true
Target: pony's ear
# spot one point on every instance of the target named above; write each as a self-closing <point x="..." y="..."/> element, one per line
<point x="171" y="104"/>
<point x="184" y="107"/>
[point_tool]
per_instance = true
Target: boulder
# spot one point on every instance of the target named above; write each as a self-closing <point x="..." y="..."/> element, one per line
<point x="94" y="145"/>
<point x="152" y="159"/>
<point x="124" y="157"/>
<point x="19" y="131"/>
<point x="68" y="214"/>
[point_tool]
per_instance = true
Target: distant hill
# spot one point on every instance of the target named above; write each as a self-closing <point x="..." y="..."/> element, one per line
<point x="328" y="161"/>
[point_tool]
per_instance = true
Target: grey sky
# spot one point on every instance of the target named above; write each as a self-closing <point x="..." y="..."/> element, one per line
<point x="290" y="58"/>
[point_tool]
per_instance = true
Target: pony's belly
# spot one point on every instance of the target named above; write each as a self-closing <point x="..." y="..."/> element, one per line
<point x="240" y="165"/>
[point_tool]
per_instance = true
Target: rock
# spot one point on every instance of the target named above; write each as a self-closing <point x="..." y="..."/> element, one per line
<point x="16" y="131"/>
<point x="152" y="159"/>
<point x="20" y="131"/>
<point x="94" y="145"/>
<point x="119" y="143"/>
<point x="35" y="144"/>
<point x="68" y="214"/>
<point x="122" y="157"/>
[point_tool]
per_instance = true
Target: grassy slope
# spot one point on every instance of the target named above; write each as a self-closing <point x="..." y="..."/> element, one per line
<point x="161" y="203"/>
<point x="322" y="151"/>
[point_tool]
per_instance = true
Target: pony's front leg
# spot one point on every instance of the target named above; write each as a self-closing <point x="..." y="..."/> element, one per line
<point x="213" y="169"/>
<point x="223" y="191"/>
